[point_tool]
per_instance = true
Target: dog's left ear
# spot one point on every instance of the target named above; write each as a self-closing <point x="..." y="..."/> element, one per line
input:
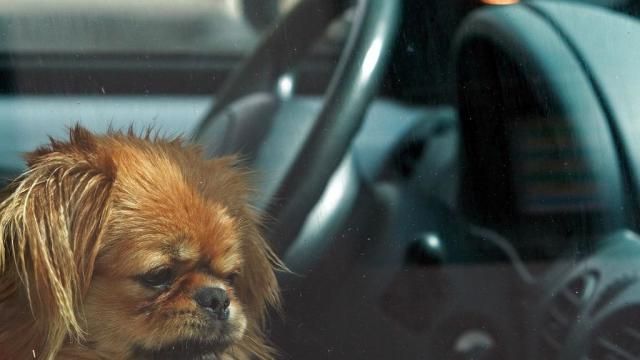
<point x="51" y="223"/>
<point x="258" y="286"/>
<point x="259" y="274"/>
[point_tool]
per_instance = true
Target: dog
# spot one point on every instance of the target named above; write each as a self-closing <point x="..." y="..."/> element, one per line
<point x="125" y="246"/>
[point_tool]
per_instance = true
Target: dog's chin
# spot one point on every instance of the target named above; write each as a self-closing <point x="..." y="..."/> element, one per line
<point x="185" y="349"/>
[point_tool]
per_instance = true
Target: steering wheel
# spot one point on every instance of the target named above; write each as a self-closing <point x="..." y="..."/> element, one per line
<point x="294" y="169"/>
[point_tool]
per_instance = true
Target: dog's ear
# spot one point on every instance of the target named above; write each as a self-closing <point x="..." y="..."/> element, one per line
<point x="258" y="275"/>
<point x="51" y="223"/>
<point x="258" y="286"/>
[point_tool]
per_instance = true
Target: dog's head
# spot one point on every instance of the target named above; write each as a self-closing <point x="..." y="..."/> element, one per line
<point x="138" y="247"/>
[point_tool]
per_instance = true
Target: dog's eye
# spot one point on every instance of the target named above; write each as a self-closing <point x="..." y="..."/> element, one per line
<point x="158" y="278"/>
<point x="231" y="278"/>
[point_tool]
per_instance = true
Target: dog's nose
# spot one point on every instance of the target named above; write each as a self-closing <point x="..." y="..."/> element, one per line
<point x="215" y="300"/>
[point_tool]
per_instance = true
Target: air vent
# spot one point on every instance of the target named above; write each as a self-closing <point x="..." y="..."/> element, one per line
<point x="611" y="291"/>
<point x="563" y="311"/>
<point x="618" y="337"/>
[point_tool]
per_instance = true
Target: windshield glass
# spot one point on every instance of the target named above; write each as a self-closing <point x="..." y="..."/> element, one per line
<point x="229" y="27"/>
<point x="313" y="179"/>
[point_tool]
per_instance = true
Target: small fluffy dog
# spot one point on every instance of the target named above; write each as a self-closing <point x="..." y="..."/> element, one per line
<point x="128" y="247"/>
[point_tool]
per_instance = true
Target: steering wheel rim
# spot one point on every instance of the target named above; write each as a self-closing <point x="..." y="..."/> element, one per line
<point x="351" y="88"/>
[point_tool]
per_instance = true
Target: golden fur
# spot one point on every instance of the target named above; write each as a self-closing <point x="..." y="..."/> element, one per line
<point x="93" y="213"/>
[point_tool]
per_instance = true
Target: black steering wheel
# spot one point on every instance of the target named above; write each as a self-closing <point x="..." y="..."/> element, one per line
<point x="295" y="168"/>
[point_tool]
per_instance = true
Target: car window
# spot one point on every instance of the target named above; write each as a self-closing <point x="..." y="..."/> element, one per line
<point x="229" y="27"/>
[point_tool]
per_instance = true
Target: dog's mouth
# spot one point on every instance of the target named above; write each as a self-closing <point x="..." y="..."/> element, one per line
<point x="186" y="349"/>
<point x="207" y="342"/>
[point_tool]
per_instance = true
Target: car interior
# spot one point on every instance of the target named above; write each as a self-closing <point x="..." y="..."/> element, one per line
<point x="444" y="179"/>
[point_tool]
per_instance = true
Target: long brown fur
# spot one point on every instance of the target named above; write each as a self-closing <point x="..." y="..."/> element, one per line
<point x="93" y="211"/>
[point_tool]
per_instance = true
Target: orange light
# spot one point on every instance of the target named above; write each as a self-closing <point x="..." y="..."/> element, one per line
<point x="500" y="2"/>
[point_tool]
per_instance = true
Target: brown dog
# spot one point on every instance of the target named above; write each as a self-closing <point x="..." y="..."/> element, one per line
<point x="126" y="247"/>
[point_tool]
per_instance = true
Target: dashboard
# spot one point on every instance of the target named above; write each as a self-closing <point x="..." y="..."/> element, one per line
<point x="495" y="231"/>
<point x="589" y="308"/>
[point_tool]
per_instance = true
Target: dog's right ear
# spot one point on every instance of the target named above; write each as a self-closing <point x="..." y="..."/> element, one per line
<point x="51" y="223"/>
